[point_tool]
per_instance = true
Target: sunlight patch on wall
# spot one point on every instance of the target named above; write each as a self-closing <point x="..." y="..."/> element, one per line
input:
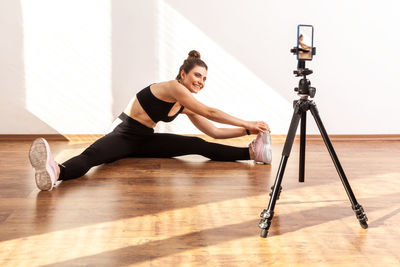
<point x="67" y="54"/>
<point x="230" y="86"/>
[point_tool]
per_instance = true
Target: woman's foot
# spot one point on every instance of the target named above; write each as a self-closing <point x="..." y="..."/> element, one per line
<point x="46" y="168"/>
<point x="261" y="148"/>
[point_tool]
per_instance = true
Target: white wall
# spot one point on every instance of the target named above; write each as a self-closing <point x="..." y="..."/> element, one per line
<point x="71" y="66"/>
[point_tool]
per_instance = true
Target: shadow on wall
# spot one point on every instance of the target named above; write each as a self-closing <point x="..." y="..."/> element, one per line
<point x="72" y="77"/>
<point x="15" y="117"/>
<point x="133" y="50"/>
<point x="67" y="65"/>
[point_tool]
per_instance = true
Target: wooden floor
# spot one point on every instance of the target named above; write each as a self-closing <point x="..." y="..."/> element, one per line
<point x="194" y="212"/>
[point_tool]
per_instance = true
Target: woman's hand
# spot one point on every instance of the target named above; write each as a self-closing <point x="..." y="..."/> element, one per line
<point x="257" y="126"/>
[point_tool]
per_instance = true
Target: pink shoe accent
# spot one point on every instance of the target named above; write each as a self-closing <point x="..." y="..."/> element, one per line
<point x="44" y="164"/>
<point x="261" y="147"/>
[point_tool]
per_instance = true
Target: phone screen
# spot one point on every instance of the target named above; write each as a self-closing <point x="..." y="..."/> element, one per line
<point x="305" y="41"/>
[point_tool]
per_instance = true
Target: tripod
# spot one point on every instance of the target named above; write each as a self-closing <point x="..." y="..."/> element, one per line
<point x="301" y="107"/>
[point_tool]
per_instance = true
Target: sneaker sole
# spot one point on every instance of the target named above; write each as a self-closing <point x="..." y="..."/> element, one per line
<point x="39" y="158"/>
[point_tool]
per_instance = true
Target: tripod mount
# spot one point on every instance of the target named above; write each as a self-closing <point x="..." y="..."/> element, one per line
<point x="301" y="106"/>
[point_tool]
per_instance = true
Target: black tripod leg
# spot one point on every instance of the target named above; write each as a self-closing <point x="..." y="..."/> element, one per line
<point x="302" y="145"/>
<point x="358" y="209"/>
<point x="267" y="214"/>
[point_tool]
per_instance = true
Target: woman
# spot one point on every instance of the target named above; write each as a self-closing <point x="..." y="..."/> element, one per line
<point x="133" y="134"/>
<point x="307" y="53"/>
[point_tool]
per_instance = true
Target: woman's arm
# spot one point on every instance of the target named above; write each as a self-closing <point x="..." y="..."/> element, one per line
<point x="185" y="98"/>
<point x="209" y="129"/>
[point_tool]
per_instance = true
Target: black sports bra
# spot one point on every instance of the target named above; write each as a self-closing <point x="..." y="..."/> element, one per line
<point x="156" y="109"/>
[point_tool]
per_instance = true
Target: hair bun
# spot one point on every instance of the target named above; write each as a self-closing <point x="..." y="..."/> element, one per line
<point x="193" y="54"/>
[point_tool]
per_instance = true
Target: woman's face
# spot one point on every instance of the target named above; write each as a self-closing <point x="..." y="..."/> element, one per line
<point x="195" y="79"/>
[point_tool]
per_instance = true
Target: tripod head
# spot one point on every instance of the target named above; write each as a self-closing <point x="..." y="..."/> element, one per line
<point x="304" y="89"/>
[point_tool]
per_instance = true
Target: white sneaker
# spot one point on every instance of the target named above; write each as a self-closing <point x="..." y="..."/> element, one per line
<point x="261" y="147"/>
<point x="44" y="164"/>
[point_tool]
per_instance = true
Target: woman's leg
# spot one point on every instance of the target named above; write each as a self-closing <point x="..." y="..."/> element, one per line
<point x="109" y="148"/>
<point x="171" y="145"/>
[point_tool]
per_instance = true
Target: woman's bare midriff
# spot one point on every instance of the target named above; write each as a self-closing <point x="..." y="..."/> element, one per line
<point x="135" y="110"/>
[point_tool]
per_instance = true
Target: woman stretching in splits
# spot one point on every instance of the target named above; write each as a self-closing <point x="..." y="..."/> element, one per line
<point x="134" y="135"/>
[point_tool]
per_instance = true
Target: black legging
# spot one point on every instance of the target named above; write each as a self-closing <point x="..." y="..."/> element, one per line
<point x="132" y="139"/>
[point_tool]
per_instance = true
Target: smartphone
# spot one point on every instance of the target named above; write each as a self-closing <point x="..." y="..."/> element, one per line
<point x="305" y="34"/>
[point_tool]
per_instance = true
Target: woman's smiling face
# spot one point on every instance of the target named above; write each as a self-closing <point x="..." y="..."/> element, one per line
<point x="195" y="79"/>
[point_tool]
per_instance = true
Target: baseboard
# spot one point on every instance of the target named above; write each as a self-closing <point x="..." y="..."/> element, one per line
<point x="277" y="138"/>
<point x="51" y="137"/>
<point x="346" y="137"/>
